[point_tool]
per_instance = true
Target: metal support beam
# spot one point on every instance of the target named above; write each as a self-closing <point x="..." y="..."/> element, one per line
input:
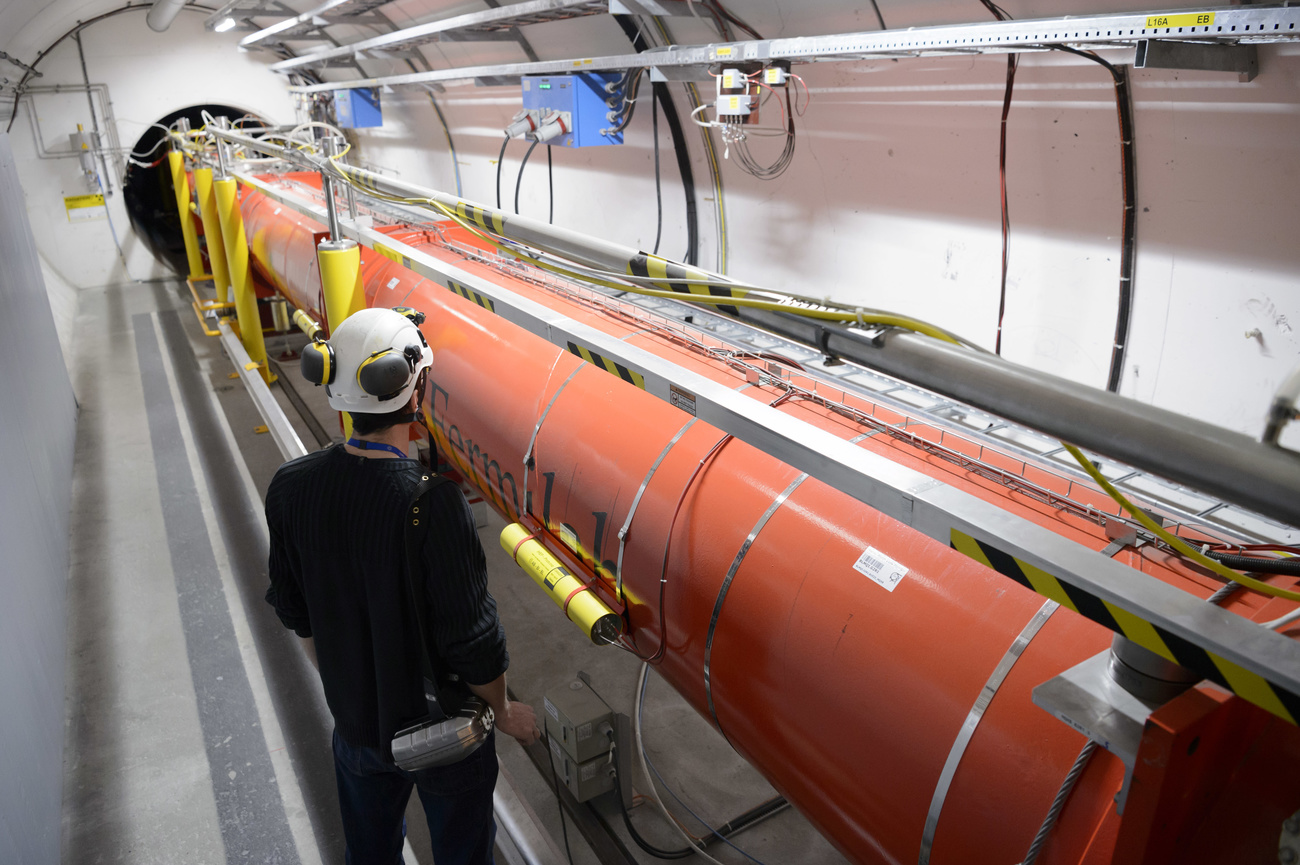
<point x="1229" y="25"/>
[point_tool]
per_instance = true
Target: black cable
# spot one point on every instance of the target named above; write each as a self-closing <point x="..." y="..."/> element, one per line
<point x="657" y="852"/>
<point x="879" y="17"/>
<point x="659" y="192"/>
<point x="550" y="187"/>
<point x="1290" y="567"/>
<point x="500" y="158"/>
<point x="684" y="168"/>
<point x="555" y="782"/>
<point x="1013" y="62"/>
<point x="81" y="25"/>
<point x="1128" y="249"/>
<point x="520" y="178"/>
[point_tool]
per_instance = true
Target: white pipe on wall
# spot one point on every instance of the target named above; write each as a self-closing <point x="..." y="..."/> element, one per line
<point x="163" y="13"/>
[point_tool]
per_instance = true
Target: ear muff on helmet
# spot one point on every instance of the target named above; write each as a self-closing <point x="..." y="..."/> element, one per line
<point x="317" y="363"/>
<point x="385" y="373"/>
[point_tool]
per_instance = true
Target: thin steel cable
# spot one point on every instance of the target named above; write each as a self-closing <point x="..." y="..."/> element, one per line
<point x="1058" y="804"/>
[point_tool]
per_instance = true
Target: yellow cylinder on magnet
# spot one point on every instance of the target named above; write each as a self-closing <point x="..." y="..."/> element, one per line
<point x="241" y="275"/>
<point x="340" y="280"/>
<point x="181" y="185"/>
<point x="601" y="624"/>
<point x="212" y="231"/>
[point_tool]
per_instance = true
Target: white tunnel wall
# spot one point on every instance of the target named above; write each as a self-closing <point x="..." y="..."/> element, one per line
<point x="892" y="201"/>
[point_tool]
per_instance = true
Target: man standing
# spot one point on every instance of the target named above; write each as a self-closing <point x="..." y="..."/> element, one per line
<point x="338" y="579"/>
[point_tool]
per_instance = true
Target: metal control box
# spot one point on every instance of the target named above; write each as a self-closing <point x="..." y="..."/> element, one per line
<point x="577" y="721"/>
<point x="584" y="780"/>
<point x="358" y="108"/>
<point x="584" y="98"/>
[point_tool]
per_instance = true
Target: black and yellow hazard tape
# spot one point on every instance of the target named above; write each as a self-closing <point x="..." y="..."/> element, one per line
<point x="1242" y="682"/>
<point x="668" y="275"/>
<point x="629" y="376"/>
<point x="488" y="220"/>
<point x="472" y="296"/>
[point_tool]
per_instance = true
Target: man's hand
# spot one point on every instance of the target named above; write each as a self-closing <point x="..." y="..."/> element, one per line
<point x="520" y="721"/>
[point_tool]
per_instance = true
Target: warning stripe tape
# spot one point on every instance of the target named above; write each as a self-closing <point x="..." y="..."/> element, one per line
<point x="629" y="376"/>
<point x="1242" y="682"/>
<point x="392" y="255"/>
<point x="473" y="296"/>
<point x="668" y="273"/>
<point x="484" y="219"/>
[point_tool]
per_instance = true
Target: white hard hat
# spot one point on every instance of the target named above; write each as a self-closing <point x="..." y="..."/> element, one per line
<point x="372" y="362"/>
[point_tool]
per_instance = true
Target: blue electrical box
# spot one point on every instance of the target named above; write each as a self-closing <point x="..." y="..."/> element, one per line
<point x="358" y="109"/>
<point x="583" y="97"/>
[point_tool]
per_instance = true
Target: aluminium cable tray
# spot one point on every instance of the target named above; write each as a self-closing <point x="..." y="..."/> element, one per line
<point x="461" y="27"/>
<point x="1231" y="25"/>
<point x="1180" y="505"/>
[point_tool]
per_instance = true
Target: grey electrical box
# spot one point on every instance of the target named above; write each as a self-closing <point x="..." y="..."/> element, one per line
<point x="584" y="780"/>
<point x="577" y="722"/>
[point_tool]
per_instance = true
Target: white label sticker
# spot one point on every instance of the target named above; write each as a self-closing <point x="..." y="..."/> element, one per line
<point x="569" y="537"/>
<point x="880" y="568"/>
<point x="584" y="732"/>
<point x="393" y="283"/>
<point x="277" y="211"/>
<point x="550" y="709"/>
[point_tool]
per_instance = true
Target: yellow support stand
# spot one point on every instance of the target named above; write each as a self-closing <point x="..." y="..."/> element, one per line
<point x="181" y="184"/>
<point x="241" y="275"/>
<point x="212" y="231"/>
<point x="340" y="280"/>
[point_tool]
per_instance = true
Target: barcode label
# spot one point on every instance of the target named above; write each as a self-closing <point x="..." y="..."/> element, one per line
<point x="550" y="709"/>
<point x="880" y="568"/>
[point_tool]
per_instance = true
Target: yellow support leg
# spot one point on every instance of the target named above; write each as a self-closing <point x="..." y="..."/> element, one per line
<point x="181" y="184"/>
<point x="212" y="231"/>
<point x="340" y="280"/>
<point x="241" y="274"/>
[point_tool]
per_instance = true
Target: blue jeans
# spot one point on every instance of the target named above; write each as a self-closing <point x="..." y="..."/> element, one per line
<point x="457" y="802"/>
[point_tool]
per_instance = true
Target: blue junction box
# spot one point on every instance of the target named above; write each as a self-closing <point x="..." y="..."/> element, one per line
<point x="583" y="96"/>
<point x="358" y="108"/>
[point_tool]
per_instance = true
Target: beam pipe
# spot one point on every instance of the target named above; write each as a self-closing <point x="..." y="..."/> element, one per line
<point x="1226" y="464"/>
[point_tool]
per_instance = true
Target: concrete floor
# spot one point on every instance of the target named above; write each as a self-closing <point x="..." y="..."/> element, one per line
<point x="196" y="730"/>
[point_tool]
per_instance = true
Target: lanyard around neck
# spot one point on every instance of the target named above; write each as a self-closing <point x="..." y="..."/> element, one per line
<point x="376" y="446"/>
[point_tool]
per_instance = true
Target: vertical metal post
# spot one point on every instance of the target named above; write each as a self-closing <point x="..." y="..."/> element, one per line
<point x="223" y="171"/>
<point x="327" y="188"/>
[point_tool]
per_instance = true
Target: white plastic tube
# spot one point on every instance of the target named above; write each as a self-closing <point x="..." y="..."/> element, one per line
<point x="163" y="13"/>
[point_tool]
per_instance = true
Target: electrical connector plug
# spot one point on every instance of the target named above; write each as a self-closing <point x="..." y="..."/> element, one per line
<point x="524" y="123"/>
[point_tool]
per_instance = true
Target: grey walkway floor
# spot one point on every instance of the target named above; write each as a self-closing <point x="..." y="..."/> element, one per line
<point x="196" y="730"/>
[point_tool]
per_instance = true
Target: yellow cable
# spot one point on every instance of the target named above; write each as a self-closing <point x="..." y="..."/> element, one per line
<point x="1173" y="540"/>
<point x="887" y="320"/>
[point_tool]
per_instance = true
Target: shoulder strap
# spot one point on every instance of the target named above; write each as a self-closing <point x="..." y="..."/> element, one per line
<point x="418" y="514"/>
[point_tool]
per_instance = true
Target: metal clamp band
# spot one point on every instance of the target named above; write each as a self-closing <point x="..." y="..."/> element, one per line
<point x="636" y="500"/>
<point x="972" y="721"/>
<point x="532" y="441"/>
<point x="731" y="574"/>
<point x="726" y="586"/>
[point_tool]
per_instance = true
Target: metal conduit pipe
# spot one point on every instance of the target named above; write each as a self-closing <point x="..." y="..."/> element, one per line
<point x="1229" y="465"/>
<point x="163" y="13"/>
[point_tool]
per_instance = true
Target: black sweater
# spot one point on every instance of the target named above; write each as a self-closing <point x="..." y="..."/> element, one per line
<point x="337" y="572"/>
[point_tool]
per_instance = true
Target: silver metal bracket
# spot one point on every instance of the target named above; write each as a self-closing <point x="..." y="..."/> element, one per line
<point x="1206" y="56"/>
<point x="1086" y="698"/>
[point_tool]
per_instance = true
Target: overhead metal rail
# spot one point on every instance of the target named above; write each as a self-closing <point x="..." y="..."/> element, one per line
<point x="490" y="23"/>
<point x="1230" y="25"/>
<point x="1258" y="664"/>
<point x="295" y="25"/>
